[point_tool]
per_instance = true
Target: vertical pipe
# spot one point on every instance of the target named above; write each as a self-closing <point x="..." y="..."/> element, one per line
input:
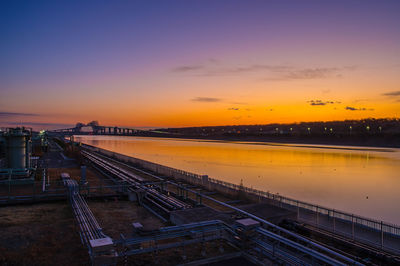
<point x="334" y="221"/>
<point x="9" y="183"/>
<point x="43" y="181"/>
<point x="34" y="191"/>
<point x="352" y="226"/>
<point x="381" y="234"/>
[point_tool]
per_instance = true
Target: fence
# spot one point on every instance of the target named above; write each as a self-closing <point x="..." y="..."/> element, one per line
<point x="374" y="232"/>
<point x="39" y="191"/>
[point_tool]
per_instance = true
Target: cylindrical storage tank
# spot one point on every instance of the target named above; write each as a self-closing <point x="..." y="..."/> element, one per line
<point x="2" y="151"/>
<point x="16" y="149"/>
<point x="28" y="153"/>
<point x="2" y="145"/>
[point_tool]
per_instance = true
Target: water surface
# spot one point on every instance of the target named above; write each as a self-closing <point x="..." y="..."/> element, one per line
<point x="364" y="181"/>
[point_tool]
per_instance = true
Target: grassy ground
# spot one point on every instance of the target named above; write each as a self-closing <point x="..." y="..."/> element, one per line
<point x="174" y="256"/>
<point x="42" y="234"/>
<point x="116" y="217"/>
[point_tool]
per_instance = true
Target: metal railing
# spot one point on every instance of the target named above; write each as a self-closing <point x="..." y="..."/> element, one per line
<point x="336" y="216"/>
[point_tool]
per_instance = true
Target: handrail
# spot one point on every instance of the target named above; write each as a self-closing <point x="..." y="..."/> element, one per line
<point x="368" y="222"/>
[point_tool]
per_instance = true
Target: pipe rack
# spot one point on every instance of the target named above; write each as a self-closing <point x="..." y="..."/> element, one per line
<point x="163" y="202"/>
<point x="89" y="227"/>
<point x="297" y="248"/>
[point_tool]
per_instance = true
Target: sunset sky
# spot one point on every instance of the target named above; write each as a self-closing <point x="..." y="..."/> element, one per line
<point x="195" y="63"/>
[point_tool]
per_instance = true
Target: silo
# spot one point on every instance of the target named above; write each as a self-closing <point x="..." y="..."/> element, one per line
<point x="28" y="152"/>
<point x="2" y="150"/>
<point x="17" y="140"/>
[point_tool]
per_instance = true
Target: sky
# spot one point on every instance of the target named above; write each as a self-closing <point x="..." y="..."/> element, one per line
<point x="197" y="63"/>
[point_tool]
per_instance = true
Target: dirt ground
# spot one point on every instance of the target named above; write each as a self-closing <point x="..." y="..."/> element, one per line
<point x="55" y="181"/>
<point x="174" y="256"/>
<point x="42" y="234"/>
<point x="75" y="173"/>
<point x="116" y="217"/>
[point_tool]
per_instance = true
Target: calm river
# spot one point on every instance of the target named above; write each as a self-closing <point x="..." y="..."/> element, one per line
<point x="364" y="181"/>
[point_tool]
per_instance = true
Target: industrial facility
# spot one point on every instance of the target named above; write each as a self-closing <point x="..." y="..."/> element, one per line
<point x="16" y="164"/>
<point x="122" y="210"/>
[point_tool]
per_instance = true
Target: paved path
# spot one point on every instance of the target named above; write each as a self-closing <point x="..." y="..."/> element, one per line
<point x="361" y="233"/>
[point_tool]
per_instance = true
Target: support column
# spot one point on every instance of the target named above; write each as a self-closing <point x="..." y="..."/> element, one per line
<point x="381" y="234"/>
<point x="334" y="221"/>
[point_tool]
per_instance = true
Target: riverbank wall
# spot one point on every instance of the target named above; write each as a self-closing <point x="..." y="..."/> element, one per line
<point x="338" y="222"/>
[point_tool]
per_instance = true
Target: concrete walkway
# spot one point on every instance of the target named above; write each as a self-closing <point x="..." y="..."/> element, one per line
<point x="353" y="231"/>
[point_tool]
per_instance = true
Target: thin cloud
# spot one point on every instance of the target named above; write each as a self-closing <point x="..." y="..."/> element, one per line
<point x="13" y="114"/>
<point x="212" y="70"/>
<point x="322" y="103"/>
<point x="360" y="100"/>
<point x="187" y="68"/>
<point x="312" y="73"/>
<point x="350" y="108"/>
<point x="255" y="68"/>
<point x="277" y="72"/>
<point x="39" y="124"/>
<point x="239" y="103"/>
<point x="206" y="99"/>
<point x="392" y="93"/>
<point x="233" y="109"/>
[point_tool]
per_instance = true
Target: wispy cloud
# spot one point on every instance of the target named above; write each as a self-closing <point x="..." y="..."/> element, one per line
<point x="60" y="125"/>
<point x="206" y="99"/>
<point x="11" y="114"/>
<point x="350" y="108"/>
<point x="187" y="68"/>
<point x="322" y="103"/>
<point x="391" y="93"/>
<point x="360" y="100"/>
<point x="233" y="109"/>
<point x="312" y="73"/>
<point x="239" y="103"/>
<point x="273" y="72"/>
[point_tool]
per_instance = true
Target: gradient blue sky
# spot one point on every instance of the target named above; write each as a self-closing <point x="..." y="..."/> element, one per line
<point x="185" y="63"/>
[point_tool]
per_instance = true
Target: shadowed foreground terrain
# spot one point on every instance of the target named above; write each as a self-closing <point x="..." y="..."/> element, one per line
<point x="40" y="235"/>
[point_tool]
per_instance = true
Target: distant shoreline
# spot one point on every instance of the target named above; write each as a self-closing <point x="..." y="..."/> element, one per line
<point x="343" y="143"/>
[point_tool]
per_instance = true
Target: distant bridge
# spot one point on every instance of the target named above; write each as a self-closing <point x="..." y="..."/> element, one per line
<point x="97" y="130"/>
